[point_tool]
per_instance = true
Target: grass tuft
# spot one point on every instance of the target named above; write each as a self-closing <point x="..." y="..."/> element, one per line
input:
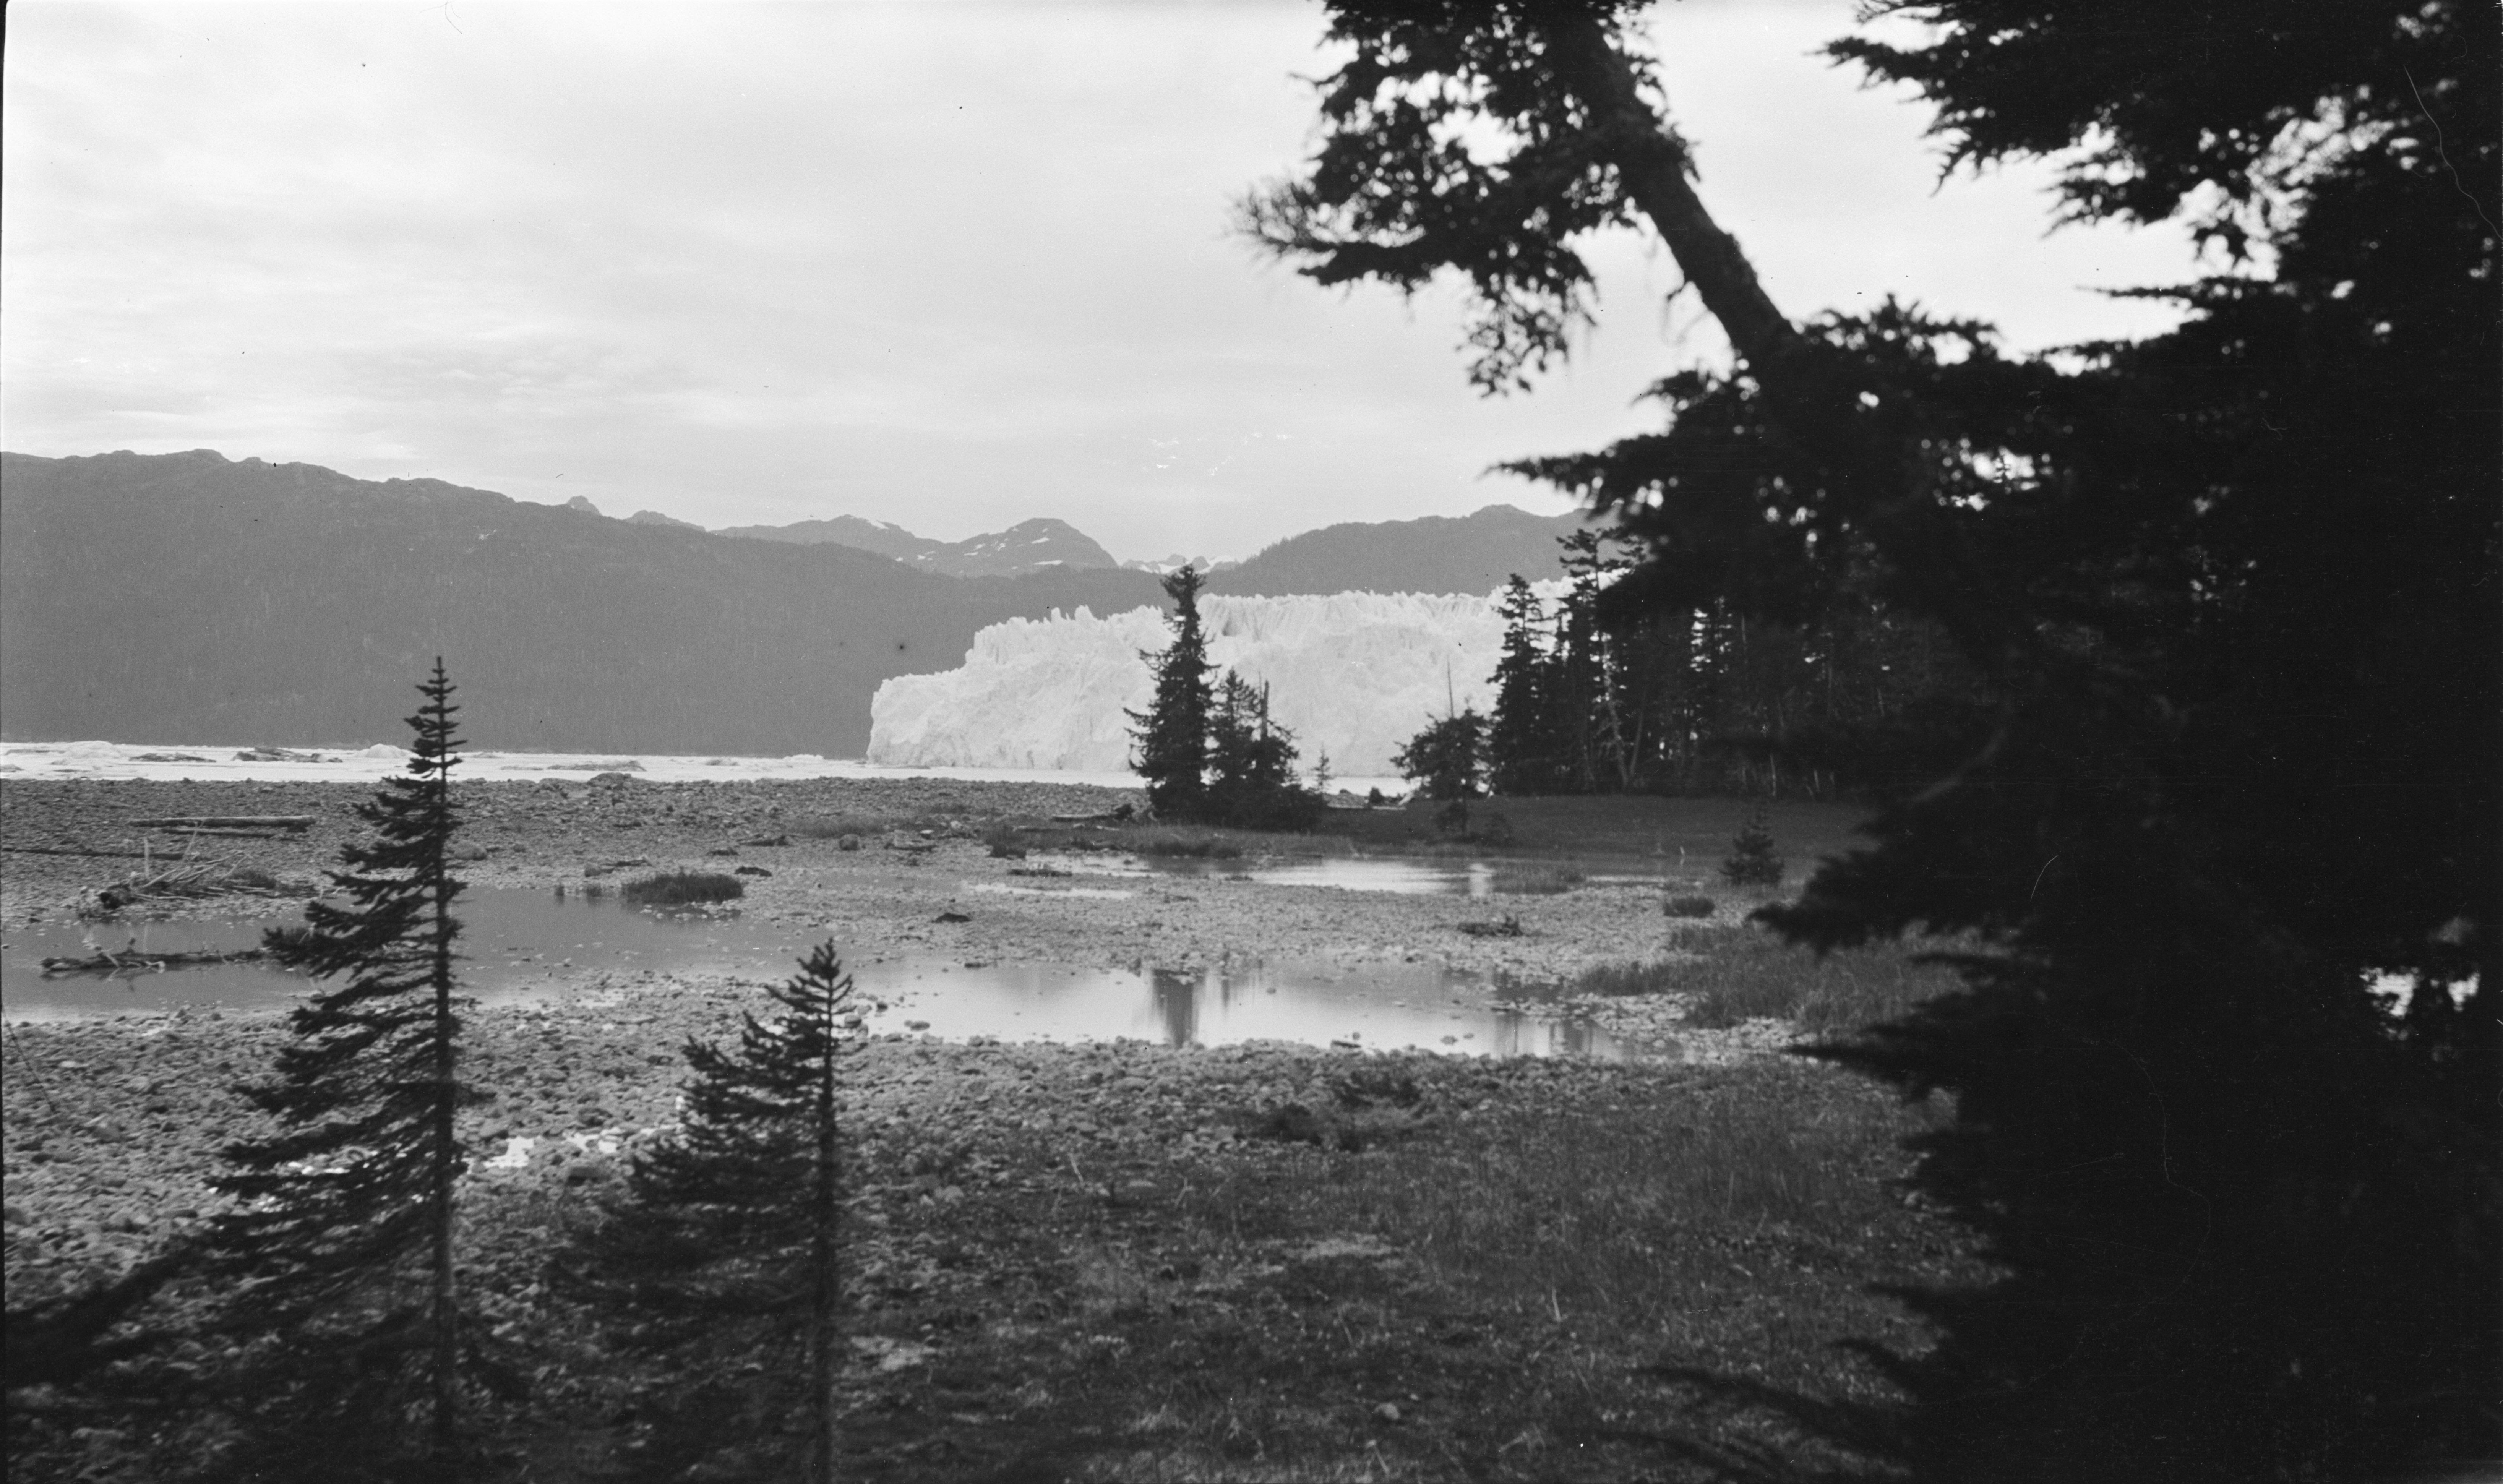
<point x="682" y="889"/>
<point x="1754" y="974"/>
<point x="1523" y="880"/>
<point x="1177" y="841"/>
<point x="1621" y="979"/>
<point x="1642" y="1212"/>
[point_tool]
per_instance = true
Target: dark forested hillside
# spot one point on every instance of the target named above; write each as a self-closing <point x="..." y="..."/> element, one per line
<point x="187" y="598"/>
<point x="1437" y="554"/>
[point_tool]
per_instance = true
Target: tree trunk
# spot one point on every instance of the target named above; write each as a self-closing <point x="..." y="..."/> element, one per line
<point x="827" y="1293"/>
<point x="1653" y="162"/>
<point x="446" y="1317"/>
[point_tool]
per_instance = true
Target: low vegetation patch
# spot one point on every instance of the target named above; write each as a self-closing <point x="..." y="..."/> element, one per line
<point x="1181" y="841"/>
<point x="682" y="889"/>
<point x="1690" y="906"/>
<point x="1686" y="836"/>
<point x="1732" y="976"/>
<point x="1750" y="974"/>
<point x="1641" y="978"/>
<point x="1527" y="880"/>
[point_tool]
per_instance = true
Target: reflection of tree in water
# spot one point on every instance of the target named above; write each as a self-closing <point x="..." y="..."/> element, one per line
<point x="1515" y="1035"/>
<point x="1177" y="1004"/>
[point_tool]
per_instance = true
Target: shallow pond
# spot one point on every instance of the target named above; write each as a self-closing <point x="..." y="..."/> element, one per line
<point x="518" y="942"/>
<point x="1398" y="874"/>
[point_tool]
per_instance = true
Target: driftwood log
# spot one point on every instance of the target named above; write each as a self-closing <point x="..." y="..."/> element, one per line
<point x="130" y="959"/>
<point x="227" y="822"/>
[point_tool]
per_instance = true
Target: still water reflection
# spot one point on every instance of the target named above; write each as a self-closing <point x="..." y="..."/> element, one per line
<point x="518" y="943"/>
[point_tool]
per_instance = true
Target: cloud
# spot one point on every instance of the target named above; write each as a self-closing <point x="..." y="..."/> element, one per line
<point x="946" y="265"/>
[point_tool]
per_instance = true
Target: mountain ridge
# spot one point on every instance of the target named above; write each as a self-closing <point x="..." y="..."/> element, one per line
<point x="1029" y="545"/>
<point x="190" y="595"/>
<point x="1474" y="553"/>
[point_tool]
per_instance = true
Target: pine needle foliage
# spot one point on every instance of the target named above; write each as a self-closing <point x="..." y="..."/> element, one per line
<point x="1251" y="765"/>
<point x="1172" y="735"/>
<point x="1448" y="758"/>
<point x="742" y="1211"/>
<point x="344" y="1244"/>
<point x="2217" y="746"/>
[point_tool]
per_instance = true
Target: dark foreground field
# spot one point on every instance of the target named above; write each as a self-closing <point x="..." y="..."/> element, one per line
<point x="1094" y="1261"/>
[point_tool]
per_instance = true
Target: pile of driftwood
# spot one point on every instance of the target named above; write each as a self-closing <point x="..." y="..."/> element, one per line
<point x="138" y="961"/>
<point x="204" y="878"/>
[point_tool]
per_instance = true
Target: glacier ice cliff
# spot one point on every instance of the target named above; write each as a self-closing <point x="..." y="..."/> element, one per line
<point x="1351" y="674"/>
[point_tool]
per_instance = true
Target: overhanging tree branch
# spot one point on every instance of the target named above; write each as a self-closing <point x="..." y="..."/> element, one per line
<point x="1655" y="167"/>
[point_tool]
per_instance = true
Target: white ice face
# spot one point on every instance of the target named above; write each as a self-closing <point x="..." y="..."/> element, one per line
<point x="1353" y="675"/>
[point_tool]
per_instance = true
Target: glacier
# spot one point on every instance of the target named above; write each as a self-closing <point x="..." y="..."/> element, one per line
<point x="1353" y="675"/>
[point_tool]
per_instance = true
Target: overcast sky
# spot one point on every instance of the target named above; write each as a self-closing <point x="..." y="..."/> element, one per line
<point x="949" y="265"/>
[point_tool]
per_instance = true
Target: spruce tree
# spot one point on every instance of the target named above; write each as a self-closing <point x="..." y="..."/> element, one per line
<point x="1251" y="764"/>
<point x="1172" y="735"/>
<point x="743" y="1208"/>
<point x="1448" y="758"/>
<point x="345" y="1241"/>
<point x="2225" y="599"/>
<point x="1517" y="760"/>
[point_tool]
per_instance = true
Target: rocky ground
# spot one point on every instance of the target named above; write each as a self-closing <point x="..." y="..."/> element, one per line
<point x="1046" y="1233"/>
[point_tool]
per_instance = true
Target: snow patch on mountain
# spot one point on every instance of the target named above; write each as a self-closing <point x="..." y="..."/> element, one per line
<point x="1351" y="675"/>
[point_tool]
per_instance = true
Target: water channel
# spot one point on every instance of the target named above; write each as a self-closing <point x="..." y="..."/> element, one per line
<point x="518" y="943"/>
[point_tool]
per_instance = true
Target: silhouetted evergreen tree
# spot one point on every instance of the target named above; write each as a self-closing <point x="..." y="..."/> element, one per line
<point x="1518" y="734"/>
<point x="1447" y="759"/>
<point x="344" y="1247"/>
<point x="1171" y="739"/>
<point x="740" y="1212"/>
<point x="1251" y="764"/>
<point x="2227" y="601"/>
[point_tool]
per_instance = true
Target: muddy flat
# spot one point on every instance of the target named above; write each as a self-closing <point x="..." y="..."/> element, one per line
<point x="1139" y="1257"/>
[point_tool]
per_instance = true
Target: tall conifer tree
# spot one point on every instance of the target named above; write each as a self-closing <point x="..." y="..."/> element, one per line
<point x="743" y="1208"/>
<point x="2227" y="598"/>
<point x="346" y="1237"/>
<point x="1172" y="737"/>
<point x="1251" y="764"/>
<point x="1516" y="734"/>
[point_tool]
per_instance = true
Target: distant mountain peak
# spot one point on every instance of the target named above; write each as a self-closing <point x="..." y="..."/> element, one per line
<point x="1041" y="544"/>
<point x="1176" y="560"/>
<point x="656" y="518"/>
<point x="1471" y="553"/>
<point x="582" y="503"/>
